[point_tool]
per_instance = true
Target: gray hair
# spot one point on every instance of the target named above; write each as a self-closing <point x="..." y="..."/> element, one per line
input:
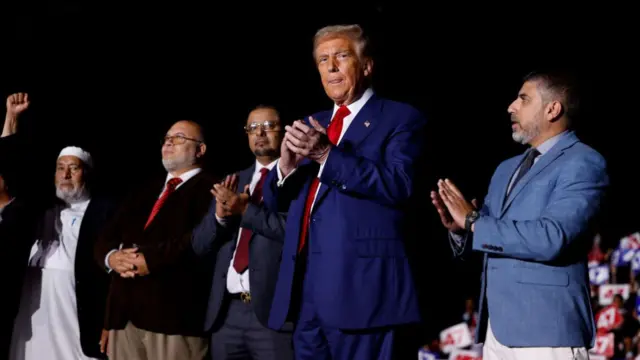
<point x="352" y="32"/>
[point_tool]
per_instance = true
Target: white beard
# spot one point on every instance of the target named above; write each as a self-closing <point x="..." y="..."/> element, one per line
<point x="74" y="195"/>
<point x="176" y="164"/>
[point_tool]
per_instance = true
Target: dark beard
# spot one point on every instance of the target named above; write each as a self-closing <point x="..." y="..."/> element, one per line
<point x="265" y="152"/>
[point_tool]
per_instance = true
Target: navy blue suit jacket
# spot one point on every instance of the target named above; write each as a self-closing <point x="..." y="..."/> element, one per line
<point x="357" y="226"/>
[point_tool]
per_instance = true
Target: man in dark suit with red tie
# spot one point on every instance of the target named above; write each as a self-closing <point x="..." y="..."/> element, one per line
<point x="246" y="241"/>
<point x="345" y="179"/>
<point x="157" y="298"/>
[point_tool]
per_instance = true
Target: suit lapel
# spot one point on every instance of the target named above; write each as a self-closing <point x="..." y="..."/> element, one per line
<point x="170" y="200"/>
<point x="544" y="161"/>
<point x="322" y="187"/>
<point x="360" y="127"/>
<point x="245" y="177"/>
<point x="506" y="179"/>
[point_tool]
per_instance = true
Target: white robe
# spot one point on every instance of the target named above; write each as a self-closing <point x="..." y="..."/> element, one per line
<point x="46" y="327"/>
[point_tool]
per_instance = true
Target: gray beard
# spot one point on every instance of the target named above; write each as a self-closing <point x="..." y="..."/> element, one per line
<point x="73" y="196"/>
<point x="172" y="165"/>
<point x="526" y="135"/>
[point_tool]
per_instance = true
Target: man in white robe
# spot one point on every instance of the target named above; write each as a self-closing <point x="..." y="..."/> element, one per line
<point x="47" y="325"/>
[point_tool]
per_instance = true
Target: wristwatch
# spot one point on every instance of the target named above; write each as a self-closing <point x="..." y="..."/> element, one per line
<point x="471" y="217"/>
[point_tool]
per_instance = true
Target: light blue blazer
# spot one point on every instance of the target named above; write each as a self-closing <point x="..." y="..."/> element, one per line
<point x="535" y="282"/>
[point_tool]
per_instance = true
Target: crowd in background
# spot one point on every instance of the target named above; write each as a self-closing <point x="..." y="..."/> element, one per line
<point x="614" y="283"/>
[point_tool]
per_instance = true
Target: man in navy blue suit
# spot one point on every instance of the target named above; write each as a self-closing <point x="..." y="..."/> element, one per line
<point x="345" y="177"/>
<point x="535" y="229"/>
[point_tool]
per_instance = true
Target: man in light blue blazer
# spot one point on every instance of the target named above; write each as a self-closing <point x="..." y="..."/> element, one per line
<point x="534" y="228"/>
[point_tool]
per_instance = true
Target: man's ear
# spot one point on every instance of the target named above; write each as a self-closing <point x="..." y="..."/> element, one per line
<point x="367" y="66"/>
<point x="202" y="149"/>
<point x="553" y="110"/>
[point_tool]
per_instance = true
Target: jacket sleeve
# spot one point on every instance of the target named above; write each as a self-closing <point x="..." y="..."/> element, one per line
<point x="278" y="193"/>
<point x="110" y="237"/>
<point x="573" y="206"/>
<point x="265" y="222"/>
<point x="461" y="244"/>
<point x="209" y="234"/>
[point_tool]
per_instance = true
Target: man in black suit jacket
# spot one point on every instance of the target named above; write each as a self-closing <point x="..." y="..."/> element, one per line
<point x="63" y="291"/>
<point x="15" y="218"/>
<point x="246" y="240"/>
<point x="157" y="300"/>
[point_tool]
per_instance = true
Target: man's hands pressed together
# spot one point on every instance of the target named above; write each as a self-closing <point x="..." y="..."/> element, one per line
<point x="308" y="141"/>
<point x="128" y="263"/>
<point x="228" y="201"/>
<point x="451" y="205"/>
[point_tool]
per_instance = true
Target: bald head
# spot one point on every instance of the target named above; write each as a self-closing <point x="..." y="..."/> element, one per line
<point x="183" y="147"/>
<point x="190" y="128"/>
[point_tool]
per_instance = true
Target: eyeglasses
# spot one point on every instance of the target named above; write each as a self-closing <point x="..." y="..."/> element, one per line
<point x="178" y="139"/>
<point x="268" y="125"/>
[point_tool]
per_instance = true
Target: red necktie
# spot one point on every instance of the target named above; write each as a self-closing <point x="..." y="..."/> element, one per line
<point x="171" y="187"/>
<point x="333" y="132"/>
<point x="241" y="260"/>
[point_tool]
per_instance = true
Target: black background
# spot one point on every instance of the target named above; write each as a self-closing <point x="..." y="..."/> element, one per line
<point x="113" y="77"/>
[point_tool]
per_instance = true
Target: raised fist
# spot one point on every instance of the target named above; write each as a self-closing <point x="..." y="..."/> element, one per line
<point x="17" y="103"/>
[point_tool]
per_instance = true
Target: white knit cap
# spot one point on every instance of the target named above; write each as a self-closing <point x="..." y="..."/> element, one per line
<point x="77" y="152"/>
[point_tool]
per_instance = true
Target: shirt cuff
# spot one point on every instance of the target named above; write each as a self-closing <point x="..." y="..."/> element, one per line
<point x="106" y="260"/>
<point x="458" y="242"/>
<point x="282" y="178"/>
<point x="457" y="238"/>
<point x="221" y="221"/>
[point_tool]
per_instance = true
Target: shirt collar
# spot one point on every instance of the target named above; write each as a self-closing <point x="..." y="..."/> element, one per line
<point x="357" y="105"/>
<point x="185" y="176"/>
<point x="269" y="166"/>
<point x="549" y="143"/>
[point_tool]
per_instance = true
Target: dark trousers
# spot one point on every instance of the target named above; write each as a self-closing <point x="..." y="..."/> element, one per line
<point x="242" y="337"/>
<point x="314" y="340"/>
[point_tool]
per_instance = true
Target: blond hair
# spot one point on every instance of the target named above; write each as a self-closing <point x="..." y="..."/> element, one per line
<point x="352" y="32"/>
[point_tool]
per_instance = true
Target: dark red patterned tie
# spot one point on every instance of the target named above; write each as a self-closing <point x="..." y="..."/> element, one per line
<point x="171" y="187"/>
<point x="333" y="132"/>
<point x="241" y="260"/>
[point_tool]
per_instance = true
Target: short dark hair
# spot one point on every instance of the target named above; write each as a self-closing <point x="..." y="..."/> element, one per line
<point x="558" y="85"/>
<point x="264" y="106"/>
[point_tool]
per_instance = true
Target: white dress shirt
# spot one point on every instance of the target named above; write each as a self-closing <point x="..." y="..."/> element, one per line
<point x="354" y="109"/>
<point x="185" y="177"/>
<point x="46" y="326"/>
<point x="237" y="283"/>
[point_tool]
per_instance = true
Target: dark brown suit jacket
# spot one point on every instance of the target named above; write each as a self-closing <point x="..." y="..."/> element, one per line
<point x="172" y="299"/>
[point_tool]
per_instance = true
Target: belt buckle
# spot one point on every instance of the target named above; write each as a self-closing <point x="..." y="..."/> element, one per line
<point x="245" y="297"/>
